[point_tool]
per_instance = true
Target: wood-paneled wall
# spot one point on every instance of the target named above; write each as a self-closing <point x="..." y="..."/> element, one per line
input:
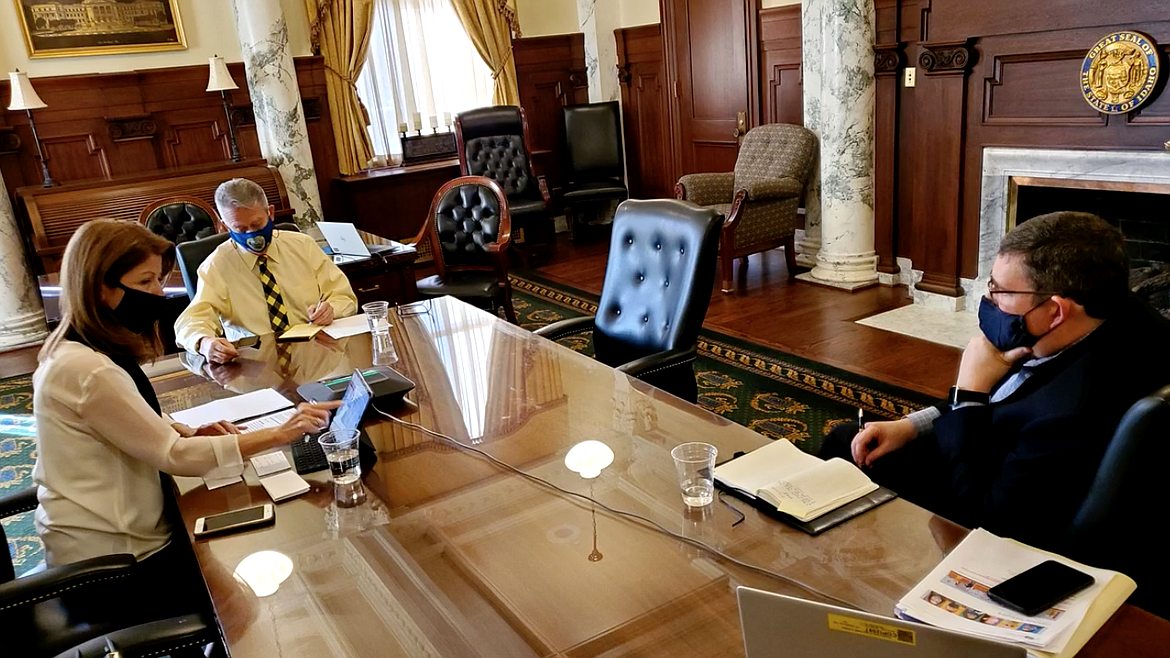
<point x="780" y="48"/>
<point x="98" y="126"/>
<point x="550" y="73"/>
<point x="645" y="111"/>
<point x="996" y="73"/>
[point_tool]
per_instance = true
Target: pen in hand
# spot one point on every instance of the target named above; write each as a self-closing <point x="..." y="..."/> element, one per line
<point x="861" y="418"/>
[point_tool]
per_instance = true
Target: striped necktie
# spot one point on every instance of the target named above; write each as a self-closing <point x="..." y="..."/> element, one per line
<point x="277" y="314"/>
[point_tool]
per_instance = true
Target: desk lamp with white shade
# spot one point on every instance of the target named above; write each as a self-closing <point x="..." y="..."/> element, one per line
<point x="24" y="97"/>
<point x="220" y="79"/>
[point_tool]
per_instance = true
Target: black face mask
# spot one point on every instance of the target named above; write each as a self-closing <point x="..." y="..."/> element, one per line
<point x="139" y="311"/>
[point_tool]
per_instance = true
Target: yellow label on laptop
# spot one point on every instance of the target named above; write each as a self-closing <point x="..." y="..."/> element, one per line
<point x="876" y="630"/>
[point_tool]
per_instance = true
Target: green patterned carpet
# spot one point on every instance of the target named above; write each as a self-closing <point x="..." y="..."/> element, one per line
<point x="777" y="394"/>
<point x="774" y="393"/>
<point x="17" y="455"/>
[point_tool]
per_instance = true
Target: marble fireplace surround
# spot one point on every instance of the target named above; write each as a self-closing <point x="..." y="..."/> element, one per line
<point x="1000" y="165"/>
<point x="933" y="317"/>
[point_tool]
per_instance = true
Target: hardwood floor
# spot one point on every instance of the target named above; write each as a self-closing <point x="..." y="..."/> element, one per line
<point x="808" y="320"/>
<point x="812" y="321"/>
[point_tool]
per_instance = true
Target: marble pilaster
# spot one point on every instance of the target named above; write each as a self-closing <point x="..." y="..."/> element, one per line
<point x="846" y="123"/>
<point x="276" y="102"/>
<point x="22" y="319"/>
<point x="598" y="19"/>
<point x="810" y="19"/>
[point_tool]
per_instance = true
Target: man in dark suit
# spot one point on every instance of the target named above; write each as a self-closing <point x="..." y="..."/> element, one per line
<point x="1065" y="350"/>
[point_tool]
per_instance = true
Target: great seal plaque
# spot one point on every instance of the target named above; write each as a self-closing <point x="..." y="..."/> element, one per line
<point x="1120" y="72"/>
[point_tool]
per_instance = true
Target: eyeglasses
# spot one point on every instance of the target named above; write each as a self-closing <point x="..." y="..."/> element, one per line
<point x="993" y="290"/>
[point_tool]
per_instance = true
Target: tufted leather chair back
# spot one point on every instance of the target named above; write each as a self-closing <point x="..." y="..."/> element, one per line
<point x="658" y="279"/>
<point x="593" y="136"/>
<point x="467" y="218"/>
<point x="181" y="220"/>
<point x="492" y="145"/>
<point x="774" y="150"/>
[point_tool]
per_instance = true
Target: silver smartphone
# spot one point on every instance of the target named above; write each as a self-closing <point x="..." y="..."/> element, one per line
<point x="237" y="520"/>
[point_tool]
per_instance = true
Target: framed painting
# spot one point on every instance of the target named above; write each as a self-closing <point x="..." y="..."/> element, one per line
<point x="71" y="28"/>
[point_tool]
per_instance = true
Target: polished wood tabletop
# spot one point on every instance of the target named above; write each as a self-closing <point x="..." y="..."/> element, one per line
<point x="452" y="555"/>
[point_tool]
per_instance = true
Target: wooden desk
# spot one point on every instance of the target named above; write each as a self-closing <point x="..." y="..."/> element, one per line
<point x="452" y="556"/>
<point x="391" y="201"/>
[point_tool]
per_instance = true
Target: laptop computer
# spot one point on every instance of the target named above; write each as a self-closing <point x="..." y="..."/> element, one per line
<point x="344" y="241"/>
<point x="778" y="626"/>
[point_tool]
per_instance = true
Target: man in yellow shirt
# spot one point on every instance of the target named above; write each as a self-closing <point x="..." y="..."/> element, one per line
<point x="260" y="281"/>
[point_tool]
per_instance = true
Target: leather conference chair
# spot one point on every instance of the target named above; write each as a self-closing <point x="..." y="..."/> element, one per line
<point x="46" y="613"/>
<point x="468" y="231"/>
<point x="181" y="219"/>
<point x="760" y="199"/>
<point x="191" y="255"/>
<point x="493" y="142"/>
<point x="1117" y="526"/>
<point x="189" y="636"/>
<point x="594" y="161"/>
<point x="657" y="287"/>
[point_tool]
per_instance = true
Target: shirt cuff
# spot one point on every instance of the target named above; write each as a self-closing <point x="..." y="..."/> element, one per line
<point x="228" y="460"/>
<point x="923" y="419"/>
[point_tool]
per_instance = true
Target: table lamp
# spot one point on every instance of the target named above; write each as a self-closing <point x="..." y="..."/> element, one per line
<point x="221" y="80"/>
<point x="24" y="97"/>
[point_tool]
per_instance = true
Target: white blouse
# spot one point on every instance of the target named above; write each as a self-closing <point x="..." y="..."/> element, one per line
<point x="100" y="448"/>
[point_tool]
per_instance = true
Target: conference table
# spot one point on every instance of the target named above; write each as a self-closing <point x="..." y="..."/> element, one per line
<point x="453" y="555"/>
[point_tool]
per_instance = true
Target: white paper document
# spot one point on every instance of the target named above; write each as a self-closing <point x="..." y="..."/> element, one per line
<point x="351" y="326"/>
<point x="954" y="595"/>
<point x="267" y="422"/>
<point x="232" y="409"/>
<point x="269" y="463"/>
<point x="215" y="483"/>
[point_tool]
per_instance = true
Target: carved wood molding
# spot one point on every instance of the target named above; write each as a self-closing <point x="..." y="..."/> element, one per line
<point x="887" y="59"/>
<point x="954" y="58"/>
<point x="133" y="128"/>
<point x="9" y="141"/>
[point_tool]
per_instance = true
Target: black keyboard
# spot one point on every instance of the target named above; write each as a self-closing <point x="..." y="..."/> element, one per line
<point x="308" y="455"/>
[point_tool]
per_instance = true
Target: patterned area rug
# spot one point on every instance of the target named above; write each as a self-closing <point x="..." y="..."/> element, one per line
<point x="777" y="394"/>
<point x="17" y="456"/>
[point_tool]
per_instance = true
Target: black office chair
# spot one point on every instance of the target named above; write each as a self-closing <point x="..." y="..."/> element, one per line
<point x="594" y="161"/>
<point x="469" y="230"/>
<point x="60" y="607"/>
<point x="1114" y="527"/>
<point x="189" y="636"/>
<point x="181" y="219"/>
<point x="192" y="254"/>
<point x="493" y="142"/>
<point x="657" y="287"/>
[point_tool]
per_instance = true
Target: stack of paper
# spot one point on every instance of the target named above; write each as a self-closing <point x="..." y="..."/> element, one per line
<point x="233" y="409"/>
<point x="351" y="326"/>
<point x="277" y="477"/>
<point x="954" y="596"/>
<point x="797" y="483"/>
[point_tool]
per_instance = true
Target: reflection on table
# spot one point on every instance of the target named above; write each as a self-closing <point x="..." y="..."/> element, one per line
<point x="453" y="556"/>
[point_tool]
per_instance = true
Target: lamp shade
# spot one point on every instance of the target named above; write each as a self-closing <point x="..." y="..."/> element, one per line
<point x="220" y="79"/>
<point x="24" y="97"/>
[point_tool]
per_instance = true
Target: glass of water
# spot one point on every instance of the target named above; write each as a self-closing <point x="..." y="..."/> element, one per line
<point x="695" y="463"/>
<point x="341" y="451"/>
<point x="378" y="315"/>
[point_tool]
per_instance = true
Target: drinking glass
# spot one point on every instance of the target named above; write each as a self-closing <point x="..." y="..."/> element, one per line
<point x="341" y="451"/>
<point x="695" y="463"/>
<point x="378" y="315"/>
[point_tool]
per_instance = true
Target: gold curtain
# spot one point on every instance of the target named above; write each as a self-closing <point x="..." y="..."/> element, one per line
<point x="340" y="33"/>
<point x="491" y="24"/>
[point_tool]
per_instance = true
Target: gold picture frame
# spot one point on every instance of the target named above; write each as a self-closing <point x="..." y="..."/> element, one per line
<point x="75" y="28"/>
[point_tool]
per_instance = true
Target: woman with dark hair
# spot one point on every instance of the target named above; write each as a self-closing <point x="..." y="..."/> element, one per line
<point x="101" y="436"/>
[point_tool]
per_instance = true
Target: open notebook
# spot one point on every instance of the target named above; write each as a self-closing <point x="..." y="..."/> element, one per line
<point x="795" y="483"/>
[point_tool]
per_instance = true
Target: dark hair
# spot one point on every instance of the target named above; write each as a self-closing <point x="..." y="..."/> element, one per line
<point x="1073" y="254"/>
<point x="101" y="252"/>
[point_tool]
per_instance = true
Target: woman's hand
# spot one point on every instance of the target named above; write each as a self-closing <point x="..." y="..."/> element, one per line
<point x="881" y="438"/>
<point x="213" y="429"/>
<point x="309" y="417"/>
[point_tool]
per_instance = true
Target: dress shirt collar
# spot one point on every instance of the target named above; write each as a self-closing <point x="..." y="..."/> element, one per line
<point x="1037" y="361"/>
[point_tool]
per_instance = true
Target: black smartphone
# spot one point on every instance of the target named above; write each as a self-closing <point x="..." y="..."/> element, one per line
<point x="1040" y="587"/>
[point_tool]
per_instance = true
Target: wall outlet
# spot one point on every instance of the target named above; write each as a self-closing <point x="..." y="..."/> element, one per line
<point x="908" y="76"/>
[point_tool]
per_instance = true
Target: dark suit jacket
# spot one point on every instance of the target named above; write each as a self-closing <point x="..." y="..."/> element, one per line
<point x="1022" y="467"/>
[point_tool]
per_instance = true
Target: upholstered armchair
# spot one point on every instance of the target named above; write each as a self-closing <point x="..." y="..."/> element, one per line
<point x="760" y="199"/>
<point x="181" y="219"/>
<point x="493" y="142"/>
<point x="657" y="288"/>
<point x="468" y="232"/>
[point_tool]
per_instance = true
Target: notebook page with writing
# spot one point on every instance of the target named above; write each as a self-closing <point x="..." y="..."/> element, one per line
<point x="764" y="466"/>
<point x="818" y="489"/>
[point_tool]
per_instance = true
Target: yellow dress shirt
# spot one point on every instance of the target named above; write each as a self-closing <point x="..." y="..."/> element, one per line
<point x="229" y="300"/>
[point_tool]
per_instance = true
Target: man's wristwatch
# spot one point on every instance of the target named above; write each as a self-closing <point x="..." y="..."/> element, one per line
<point x="959" y="396"/>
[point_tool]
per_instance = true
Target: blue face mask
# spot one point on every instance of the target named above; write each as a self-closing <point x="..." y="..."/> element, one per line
<point x="255" y="241"/>
<point x="1005" y="331"/>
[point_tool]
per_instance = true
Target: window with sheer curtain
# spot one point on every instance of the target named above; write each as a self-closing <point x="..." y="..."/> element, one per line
<point x="420" y="61"/>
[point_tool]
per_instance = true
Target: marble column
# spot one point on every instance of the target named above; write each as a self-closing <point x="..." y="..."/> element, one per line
<point x="845" y="127"/>
<point x="22" y="319"/>
<point x="276" y="102"/>
<point x="810" y="80"/>
<point x="598" y="19"/>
